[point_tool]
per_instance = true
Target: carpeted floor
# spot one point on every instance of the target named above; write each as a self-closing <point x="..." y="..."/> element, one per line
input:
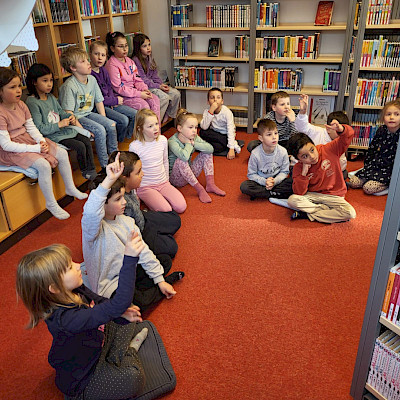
<point x="269" y="308"/>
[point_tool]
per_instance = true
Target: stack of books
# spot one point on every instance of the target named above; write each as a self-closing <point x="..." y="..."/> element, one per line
<point x="278" y="79"/>
<point x="293" y="47"/>
<point x="242" y="45"/>
<point x="228" y="16"/>
<point x="205" y="77"/>
<point x="365" y="124"/>
<point x="89" y="8"/>
<point x="59" y="11"/>
<point x="122" y="6"/>
<point x="331" y="80"/>
<point x="381" y="52"/>
<point x="39" y="12"/>
<point x="267" y="14"/>
<point x="181" y="15"/>
<point x="21" y="61"/>
<point x="376" y="92"/>
<point x="182" y="45"/>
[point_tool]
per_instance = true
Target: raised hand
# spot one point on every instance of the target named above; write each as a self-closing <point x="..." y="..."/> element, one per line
<point x="303" y="100"/>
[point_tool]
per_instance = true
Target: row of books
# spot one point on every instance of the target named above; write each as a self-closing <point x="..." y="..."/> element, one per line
<point x="242" y="46"/>
<point x="182" y="45"/>
<point x="181" y="15"/>
<point x="391" y="301"/>
<point x="380" y="52"/>
<point x="59" y="10"/>
<point x="207" y="77"/>
<point x="384" y="372"/>
<point x="379" y="12"/>
<point x="376" y="92"/>
<point x="365" y="124"/>
<point x="62" y="47"/>
<point x="267" y="14"/>
<point x="39" y="12"/>
<point x="21" y="62"/>
<point x="90" y="8"/>
<point x="294" y="47"/>
<point x="278" y="78"/>
<point x="228" y="16"/>
<point x="89" y="40"/>
<point x="331" y="80"/>
<point x="121" y="6"/>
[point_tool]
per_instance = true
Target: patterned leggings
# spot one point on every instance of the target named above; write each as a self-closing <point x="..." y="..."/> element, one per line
<point x="369" y="187"/>
<point x="182" y="173"/>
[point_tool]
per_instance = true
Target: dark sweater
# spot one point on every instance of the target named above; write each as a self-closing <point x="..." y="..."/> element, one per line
<point x="77" y="331"/>
<point x="103" y="79"/>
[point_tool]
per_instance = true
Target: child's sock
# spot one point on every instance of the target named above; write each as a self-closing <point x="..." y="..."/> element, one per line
<point x="211" y="187"/>
<point x="174" y="277"/>
<point x="139" y="339"/>
<point x="76" y="193"/>
<point x="299" y="215"/>
<point x="201" y="192"/>
<point x="57" y="211"/>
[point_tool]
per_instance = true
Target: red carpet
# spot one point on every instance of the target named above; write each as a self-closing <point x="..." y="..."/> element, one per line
<point x="269" y="308"/>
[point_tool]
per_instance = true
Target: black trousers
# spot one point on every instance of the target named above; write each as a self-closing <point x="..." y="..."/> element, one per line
<point x="217" y="140"/>
<point x="158" y="231"/>
<point x="84" y="152"/>
<point x="281" y="191"/>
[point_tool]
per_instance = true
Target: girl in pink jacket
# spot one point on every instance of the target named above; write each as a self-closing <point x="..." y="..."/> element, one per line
<point x="123" y="74"/>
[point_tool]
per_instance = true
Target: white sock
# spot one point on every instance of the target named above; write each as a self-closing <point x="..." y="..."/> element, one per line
<point x="139" y="339"/>
<point x="57" y="211"/>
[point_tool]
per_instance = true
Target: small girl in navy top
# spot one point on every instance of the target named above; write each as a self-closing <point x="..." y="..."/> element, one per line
<point x="92" y="352"/>
<point x="114" y="106"/>
<point x="378" y="163"/>
<point x="170" y="98"/>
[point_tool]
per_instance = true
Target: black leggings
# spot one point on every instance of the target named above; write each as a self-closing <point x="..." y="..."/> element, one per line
<point x="81" y="144"/>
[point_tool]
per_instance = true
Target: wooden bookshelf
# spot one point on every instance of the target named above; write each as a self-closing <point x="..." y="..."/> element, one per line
<point x="394" y="24"/>
<point x="368" y="107"/>
<point x="340" y="26"/>
<point x="374" y="392"/>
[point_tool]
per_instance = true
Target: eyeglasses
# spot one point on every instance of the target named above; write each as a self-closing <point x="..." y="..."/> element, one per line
<point x="123" y="46"/>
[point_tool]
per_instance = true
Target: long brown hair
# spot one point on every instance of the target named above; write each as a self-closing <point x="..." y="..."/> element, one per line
<point x="36" y="272"/>
<point x="6" y="76"/>
<point x="138" y="40"/>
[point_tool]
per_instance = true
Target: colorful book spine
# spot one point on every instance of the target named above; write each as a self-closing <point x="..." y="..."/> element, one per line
<point x="267" y="14"/>
<point x="331" y="80"/>
<point x="21" y="62"/>
<point x="379" y="12"/>
<point x="273" y="79"/>
<point x="381" y="52"/>
<point x="39" y="12"/>
<point x="228" y="16"/>
<point x="90" y="8"/>
<point x="376" y="92"/>
<point x="205" y="76"/>
<point x="182" y="45"/>
<point x="242" y="46"/>
<point x="124" y="6"/>
<point x="365" y="124"/>
<point x="59" y="10"/>
<point x="181" y="15"/>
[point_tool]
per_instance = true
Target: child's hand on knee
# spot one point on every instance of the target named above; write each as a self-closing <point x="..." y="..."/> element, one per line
<point x="167" y="290"/>
<point x="269" y="183"/>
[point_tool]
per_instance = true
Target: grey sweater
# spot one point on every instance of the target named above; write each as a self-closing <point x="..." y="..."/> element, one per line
<point x="103" y="244"/>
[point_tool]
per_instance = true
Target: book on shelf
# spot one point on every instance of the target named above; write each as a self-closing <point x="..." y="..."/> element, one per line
<point x="376" y="92"/>
<point x="357" y="12"/>
<point x="21" y="61"/>
<point x="181" y="15"/>
<point x="365" y="124"/>
<point x="320" y="108"/>
<point x="379" y="12"/>
<point x="59" y="10"/>
<point x="90" y="8"/>
<point x="331" y="80"/>
<point x="228" y="16"/>
<point x="214" y="47"/>
<point x="292" y="47"/>
<point x="62" y="47"/>
<point x="381" y="52"/>
<point x="267" y="14"/>
<point x="278" y="79"/>
<point x="324" y="13"/>
<point x="89" y="40"/>
<point x="123" y="6"/>
<point x="39" y="12"/>
<point x="205" y="76"/>
<point x="182" y="45"/>
<point x="242" y="46"/>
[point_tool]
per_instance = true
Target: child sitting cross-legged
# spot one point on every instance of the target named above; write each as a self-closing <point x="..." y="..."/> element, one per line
<point x="104" y="234"/>
<point x="157" y="227"/>
<point x="93" y="351"/>
<point x="318" y="183"/>
<point x="268" y="167"/>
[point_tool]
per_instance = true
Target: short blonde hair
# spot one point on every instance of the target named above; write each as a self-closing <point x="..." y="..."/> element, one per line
<point x="140" y="120"/>
<point x="71" y="56"/>
<point x="36" y="272"/>
<point x="99" y="43"/>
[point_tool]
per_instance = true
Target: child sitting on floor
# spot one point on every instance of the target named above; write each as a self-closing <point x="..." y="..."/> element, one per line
<point x="181" y="147"/>
<point x="104" y="233"/>
<point x="378" y="163"/>
<point x="318" y="183"/>
<point x="283" y="116"/>
<point x="114" y="106"/>
<point x="152" y="148"/>
<point x="157" y="227"/>
<point x="268" y="167"/>
<point x="318" y="134"/>
<point x="93" y="351"/>
<point x="218" y="127"/>
<point x="23" y="145"/>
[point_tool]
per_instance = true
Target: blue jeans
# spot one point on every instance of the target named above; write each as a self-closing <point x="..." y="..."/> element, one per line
<point x="124" y="116"/>
<point x="105" y="135"/>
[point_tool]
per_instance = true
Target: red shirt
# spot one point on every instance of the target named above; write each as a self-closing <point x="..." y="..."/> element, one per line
<point x="326" y="175"/>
